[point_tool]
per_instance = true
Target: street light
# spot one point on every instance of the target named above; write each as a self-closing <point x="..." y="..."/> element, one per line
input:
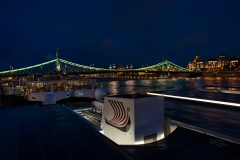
<point x="131" y="66"/>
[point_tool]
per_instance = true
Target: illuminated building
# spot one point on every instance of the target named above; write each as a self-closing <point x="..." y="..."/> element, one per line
<point x="196" y="64"/>
<point x="223" y="63"/>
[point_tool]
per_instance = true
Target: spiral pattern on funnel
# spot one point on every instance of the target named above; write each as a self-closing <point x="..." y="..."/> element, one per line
<point x="120" y="118"/>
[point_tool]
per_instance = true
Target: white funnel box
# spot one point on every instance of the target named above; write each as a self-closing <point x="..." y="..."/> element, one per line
<point x="133" y="119"/>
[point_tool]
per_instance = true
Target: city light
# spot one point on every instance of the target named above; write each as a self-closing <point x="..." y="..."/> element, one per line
<point x="223" y="63"/>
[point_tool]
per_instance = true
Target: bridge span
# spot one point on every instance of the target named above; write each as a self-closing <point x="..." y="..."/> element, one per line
<point x="61" y="66"/>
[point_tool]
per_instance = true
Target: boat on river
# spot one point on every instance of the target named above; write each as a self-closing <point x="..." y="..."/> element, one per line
<point x="50" y="91"/>
<point x="83" y="88"/>
<point x="229" y="91"/>
<point x="47" y="92"/>
<point x="11" y="88"/>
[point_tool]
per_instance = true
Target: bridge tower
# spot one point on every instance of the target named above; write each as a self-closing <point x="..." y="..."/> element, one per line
<point x="58" y="68"/>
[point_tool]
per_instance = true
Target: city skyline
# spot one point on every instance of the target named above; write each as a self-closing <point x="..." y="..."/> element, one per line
<point x="220" y="63"/>
<point x="120" y="33"/>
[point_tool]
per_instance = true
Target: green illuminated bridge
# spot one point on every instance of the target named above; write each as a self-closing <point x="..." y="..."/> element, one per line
<point x="59" y="65"/>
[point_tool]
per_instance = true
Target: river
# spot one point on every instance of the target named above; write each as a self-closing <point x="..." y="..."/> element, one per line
<point x="222" y="119"/>
<point x="115" y="87"/>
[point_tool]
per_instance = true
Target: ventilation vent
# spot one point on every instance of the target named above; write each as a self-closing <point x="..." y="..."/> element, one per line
<point x="150" y="138"/>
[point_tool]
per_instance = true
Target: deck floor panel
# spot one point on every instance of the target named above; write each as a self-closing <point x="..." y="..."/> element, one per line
<point x="52" y="132"/>
<point x="9" y="148"/>
<point x="74" y="143"/>
<point x="26" y="140"/>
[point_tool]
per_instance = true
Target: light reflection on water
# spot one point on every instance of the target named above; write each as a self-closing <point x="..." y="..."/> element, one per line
<point x="223" y="120"/>
<point x="222" y="82"/>
<point x="113" y="87"/>
<point x="116" y="87"/>
<point x="141" y="86"/>
<point x="130" y="86"/>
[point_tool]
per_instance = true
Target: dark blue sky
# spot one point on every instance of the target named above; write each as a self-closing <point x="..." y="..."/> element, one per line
<point x="121" y="32"/>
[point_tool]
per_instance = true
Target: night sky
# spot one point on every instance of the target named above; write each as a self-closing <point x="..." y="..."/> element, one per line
<point x="103" y="32"/>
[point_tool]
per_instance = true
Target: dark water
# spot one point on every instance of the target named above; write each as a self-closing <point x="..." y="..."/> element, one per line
<point x="115" y="87"/>
<point x="222" y="119"/>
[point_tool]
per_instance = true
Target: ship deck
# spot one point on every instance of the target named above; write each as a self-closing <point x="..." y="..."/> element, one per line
<point x="51" y="132"/>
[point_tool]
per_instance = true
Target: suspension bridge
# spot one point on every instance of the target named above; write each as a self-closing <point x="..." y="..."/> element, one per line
<point x="59" y="65"/>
